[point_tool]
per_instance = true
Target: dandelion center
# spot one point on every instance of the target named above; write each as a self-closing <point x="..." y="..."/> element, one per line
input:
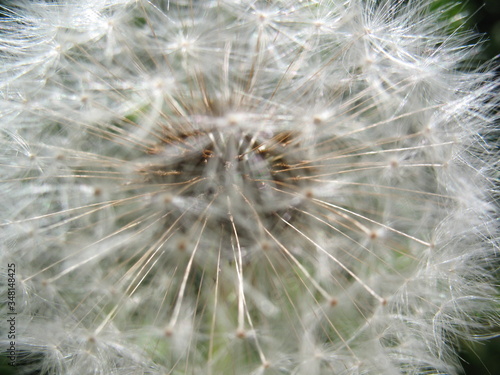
<point x="235" y="178"/>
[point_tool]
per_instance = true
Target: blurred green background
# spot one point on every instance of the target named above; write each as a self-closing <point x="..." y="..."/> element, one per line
<point x="485" y="18"/>
<point x="482" y="16"/>
<point x="481" y="358"/>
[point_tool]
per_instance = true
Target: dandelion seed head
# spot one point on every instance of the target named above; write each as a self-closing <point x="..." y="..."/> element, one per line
<point x="245" y="187"/>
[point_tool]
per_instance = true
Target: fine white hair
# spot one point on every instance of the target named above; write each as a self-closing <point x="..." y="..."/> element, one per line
<point x="244" y="187"/>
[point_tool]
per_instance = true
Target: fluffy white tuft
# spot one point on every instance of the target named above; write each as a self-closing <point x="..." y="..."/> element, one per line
<point x="245" y="187"/>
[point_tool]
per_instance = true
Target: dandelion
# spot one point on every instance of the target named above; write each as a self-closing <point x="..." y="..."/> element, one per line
<point x="244" y="187"/>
